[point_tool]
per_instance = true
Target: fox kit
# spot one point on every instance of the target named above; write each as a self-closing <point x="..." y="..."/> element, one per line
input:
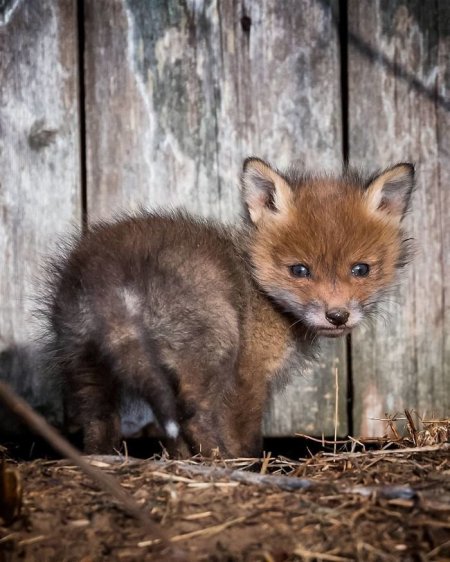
<point x="203" y="320"/>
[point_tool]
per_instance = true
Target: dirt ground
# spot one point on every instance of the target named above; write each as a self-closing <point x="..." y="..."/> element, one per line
<point x="370" y="506"/>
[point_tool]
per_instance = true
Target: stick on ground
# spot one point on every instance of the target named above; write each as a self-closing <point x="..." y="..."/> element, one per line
<point x="106" y="482"/>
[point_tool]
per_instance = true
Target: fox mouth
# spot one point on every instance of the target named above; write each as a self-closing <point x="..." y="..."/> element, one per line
<point x="333" y="332"/>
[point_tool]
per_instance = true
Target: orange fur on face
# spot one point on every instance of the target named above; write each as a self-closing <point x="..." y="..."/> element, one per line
<point x="328" y="225"/>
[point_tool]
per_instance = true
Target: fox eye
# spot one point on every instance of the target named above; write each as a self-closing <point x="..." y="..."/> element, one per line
<point x="360" y="270"/>
<point x="300" y="270"/>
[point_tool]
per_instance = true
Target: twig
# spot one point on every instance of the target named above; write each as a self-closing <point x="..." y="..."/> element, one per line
<point x="106" y="482"/>
<point x="265" y="463"/>
<point x="287" y="483"/>
<point x="313" y="555"/>
<point x="324" y="441"/>
<point x="209" y="531"/>
<point x="406" y="450"/>
<point x="290" y="483"/>
<point x="205" y="532"/>
<point x="336" y="406"/>
<point x="282" y="482"/>
<point x="412" y="426"/>
<point x="438" y="549"/>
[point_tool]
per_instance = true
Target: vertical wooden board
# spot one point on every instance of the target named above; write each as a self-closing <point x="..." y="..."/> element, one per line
<point x="39" y="162"/>
<point x="443" y="166"/>
<point x="151" y="123"/>
<point x="178" y="93"/>
<point x="398" y="111"/>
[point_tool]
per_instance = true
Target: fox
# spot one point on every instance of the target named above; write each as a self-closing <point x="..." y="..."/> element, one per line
<point x="203" y="321"/>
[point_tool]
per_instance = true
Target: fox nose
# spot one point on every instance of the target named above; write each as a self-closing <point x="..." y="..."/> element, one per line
<point x="337" y="316"/>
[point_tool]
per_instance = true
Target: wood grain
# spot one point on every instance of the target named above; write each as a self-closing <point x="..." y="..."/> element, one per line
<point x="40" y="172"/>
<point x="399" y="110"/>
<point x="178" y="94"/>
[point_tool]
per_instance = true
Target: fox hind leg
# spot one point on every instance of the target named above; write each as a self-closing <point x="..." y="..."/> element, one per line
<point x="202" y="406"/>
<point x="93" y="401"/>
<point x="134" y="362"/>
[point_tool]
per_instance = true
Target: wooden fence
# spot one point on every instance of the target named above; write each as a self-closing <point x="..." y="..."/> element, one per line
<point x="109" y="104"/>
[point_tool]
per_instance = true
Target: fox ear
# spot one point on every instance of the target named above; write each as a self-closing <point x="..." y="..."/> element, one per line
<point x="389" y="192"/>
<point x="265" y="192"/>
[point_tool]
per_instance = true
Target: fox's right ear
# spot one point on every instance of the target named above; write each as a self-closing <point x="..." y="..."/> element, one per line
<point x="265" y="192"/>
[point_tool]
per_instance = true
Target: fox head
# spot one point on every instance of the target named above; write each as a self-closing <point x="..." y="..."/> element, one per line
<point x="326" y="249"/>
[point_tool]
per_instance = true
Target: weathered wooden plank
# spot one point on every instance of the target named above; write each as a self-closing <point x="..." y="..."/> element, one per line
<point x="40" y="178"/>
<point x="178" y="93"/>
<point x="399" y="110"/>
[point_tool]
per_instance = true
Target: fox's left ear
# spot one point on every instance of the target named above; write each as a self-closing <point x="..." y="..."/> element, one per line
<point x="389" y="192"/>
<point x="265" y="192"/>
